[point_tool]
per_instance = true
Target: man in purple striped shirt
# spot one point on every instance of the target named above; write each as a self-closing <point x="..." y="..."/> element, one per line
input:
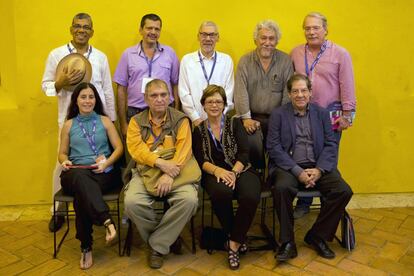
<point x="140" y="64"/>
<point x="329" y="67"/>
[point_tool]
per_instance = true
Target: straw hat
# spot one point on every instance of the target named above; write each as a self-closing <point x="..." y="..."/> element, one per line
<point x="75" y="61"/>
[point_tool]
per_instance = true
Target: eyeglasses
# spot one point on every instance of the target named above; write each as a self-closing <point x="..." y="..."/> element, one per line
<point x="213" y="102"/>
<point x="312" y="28"/>
<point x="296" y="92"/>
<point x="205" y="35"/>
<point x="85" y="27"/>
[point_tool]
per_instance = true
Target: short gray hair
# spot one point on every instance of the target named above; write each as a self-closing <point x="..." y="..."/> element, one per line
<point x="208" y="23"/>
<point x="267" y="24"/>
<point x="317" y="15"/>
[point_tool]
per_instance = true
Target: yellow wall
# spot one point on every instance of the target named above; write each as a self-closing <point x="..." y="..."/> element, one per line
<point x="376" y="154"/>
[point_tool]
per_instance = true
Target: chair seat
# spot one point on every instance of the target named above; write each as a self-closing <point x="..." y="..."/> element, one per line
<point x="309" y="194"/>
<point x="112" y="195"/>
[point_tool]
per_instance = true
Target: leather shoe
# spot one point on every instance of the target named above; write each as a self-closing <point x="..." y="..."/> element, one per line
<point x="155" y="259"/>
<point x="176" y="247"/>
<point x="286" y="251"/>
<point x="54" y="227"/>
<point x="319" y="245"/>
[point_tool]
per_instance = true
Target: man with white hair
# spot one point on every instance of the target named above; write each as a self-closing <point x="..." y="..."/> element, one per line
<point x="261" y="78"/>
<point x="329" y="67"/>
<point x="202" y="68"/>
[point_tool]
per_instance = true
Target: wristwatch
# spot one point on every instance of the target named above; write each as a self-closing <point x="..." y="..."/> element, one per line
<point x="348" y="118"/>
<point x="236" y="173"/>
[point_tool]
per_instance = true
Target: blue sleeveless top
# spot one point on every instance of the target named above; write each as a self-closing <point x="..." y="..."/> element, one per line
<point x="80" y="152"/>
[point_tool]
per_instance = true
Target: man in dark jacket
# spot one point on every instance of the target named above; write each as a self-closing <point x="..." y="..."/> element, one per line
<point x="303" y="153"/>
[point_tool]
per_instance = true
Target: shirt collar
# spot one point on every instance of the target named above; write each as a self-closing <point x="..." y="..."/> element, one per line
<point x="74" y="50"/>
<point x="297" y="113"/>
<point x="153" y="123"/>
<point x="206" y="58"/>
<point x="159" y="47"/>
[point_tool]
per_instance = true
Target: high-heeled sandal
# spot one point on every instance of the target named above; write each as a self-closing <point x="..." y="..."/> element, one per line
<point x="107" y="223"/>
<point x="83" y="258"/>
<point x="234" y="259"/>
<point x="243" y="248"/>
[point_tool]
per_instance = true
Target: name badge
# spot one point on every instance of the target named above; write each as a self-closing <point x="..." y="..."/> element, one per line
<point x="144" y="83"/>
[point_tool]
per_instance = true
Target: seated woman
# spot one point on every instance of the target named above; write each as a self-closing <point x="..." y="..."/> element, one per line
<point x="85" y="154"/>
<point x="221" y="148"/>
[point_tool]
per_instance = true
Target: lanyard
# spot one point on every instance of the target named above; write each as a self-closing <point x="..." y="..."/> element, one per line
<point x="149" y="61"/>
<point x="89" y="50"/>
<point x="89" y="138"/>
<point x="156" y="138"/>
<point x="212" y="134"/>
<point x="204" y="68"/>
<point x="323" y="48"/>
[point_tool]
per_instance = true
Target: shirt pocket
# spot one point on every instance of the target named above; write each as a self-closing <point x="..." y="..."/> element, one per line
<point x="277" y="84"/>
<point x="165" y="66"/>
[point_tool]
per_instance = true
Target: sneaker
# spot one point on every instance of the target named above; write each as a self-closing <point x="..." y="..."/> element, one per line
<point x="300" y="212"/>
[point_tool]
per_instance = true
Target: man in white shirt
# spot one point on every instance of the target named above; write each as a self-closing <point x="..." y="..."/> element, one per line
<point x="201" y="68"/>
<point x="81" y="31"/>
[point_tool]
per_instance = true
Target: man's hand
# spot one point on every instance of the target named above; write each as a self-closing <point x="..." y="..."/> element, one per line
<point x="197" y="122"/>
<point x="251" y="125"/>
<point x="68" y="78"/>
<point x="343" y="123"/>
<point x="306" y="179"/>
<point x="315" y="174"/>
<point x="167" y="166"/>
<point x="227" y="177"/>
<point x="164" y="185"/>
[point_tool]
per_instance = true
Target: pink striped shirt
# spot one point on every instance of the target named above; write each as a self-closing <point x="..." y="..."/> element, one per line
<point x="332" y="78"/>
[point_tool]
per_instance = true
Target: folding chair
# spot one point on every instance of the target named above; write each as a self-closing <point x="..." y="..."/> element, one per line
<point x="60" y="196"/>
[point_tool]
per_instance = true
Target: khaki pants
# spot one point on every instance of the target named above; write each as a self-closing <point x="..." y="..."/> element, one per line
<point x="160" y="233"/>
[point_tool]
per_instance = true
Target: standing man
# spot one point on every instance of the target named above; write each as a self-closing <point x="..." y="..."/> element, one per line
<point x="140" y="64"/>
<point x="329" y="67"/>
<point x="159" y="128"/>
<point x="302" y="154"/>
<point x="81" y="31"/>
<point x="261" y="78"/>
<point x="201" y="68"/>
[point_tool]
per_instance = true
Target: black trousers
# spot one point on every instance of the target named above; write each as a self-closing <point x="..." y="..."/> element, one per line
<point x="87" y="187"/>
<point x="334" y="189"/>
<point x="247" y="193"/>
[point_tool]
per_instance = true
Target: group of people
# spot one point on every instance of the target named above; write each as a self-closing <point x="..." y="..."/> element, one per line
<point x="301" y="103"/>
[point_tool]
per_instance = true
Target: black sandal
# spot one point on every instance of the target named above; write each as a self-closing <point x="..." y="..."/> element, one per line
<point x="243" y="248"/>
<point x="234" y="259"/>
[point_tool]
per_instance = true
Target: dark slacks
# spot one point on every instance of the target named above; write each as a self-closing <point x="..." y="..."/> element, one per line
<point x="247" y="193"/>
<point x="334" y="189"/>
<point x="87" y="187"/>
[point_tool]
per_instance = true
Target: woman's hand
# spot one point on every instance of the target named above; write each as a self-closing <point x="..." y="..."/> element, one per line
<point x="101" y="167"/>
<point x="227" y="177"/>
<point x="65" y="165"/>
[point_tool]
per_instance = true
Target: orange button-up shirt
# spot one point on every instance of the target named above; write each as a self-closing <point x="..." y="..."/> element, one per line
<point x="140" y="150"/>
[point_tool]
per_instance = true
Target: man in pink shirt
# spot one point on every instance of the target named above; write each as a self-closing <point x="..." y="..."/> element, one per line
<point x="329" y="67"/>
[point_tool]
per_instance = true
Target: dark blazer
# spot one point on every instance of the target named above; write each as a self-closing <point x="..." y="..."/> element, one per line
<point x="281" y="138"/>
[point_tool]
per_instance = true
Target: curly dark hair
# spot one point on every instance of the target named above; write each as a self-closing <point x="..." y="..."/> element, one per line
<point x="73" y="109"/>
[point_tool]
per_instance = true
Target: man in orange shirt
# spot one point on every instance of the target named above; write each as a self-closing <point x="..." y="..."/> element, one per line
<point x="153" y="130"/>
